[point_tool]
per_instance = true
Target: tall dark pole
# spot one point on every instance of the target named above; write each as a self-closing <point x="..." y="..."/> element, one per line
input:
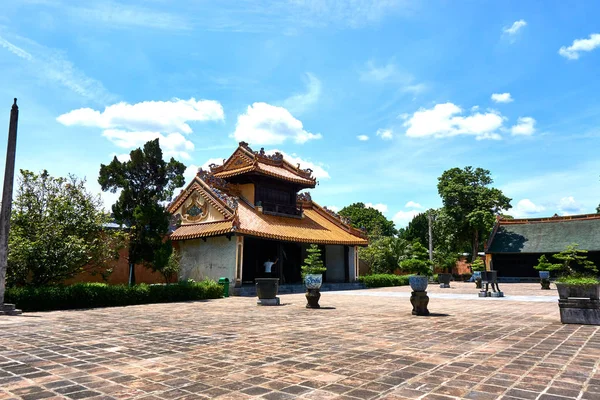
<point x="9" y="176"/>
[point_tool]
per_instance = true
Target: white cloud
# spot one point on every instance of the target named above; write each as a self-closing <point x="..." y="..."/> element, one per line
<point x="172" y="145"/>
<point x="382" y="208"/>
<point x="526" y="207"/>
<point x="266" y="124"/>
<point x="502" y="97"/>
<point x="402" y="218"/>
<point x="444" y="120"/>
<point x="299" y="103"/>
<point x="390" y="73"/>
<point x="52" y="65"/>
<point x="334" y="208"/>
<point x="362" y="138"/>
<point x="568" y="206"/>
<point x="385" y="134"/>
<point x="318" y="171"/>
<point x="580" y="45"/>
<point x="515" y="27"/>
<point x="525" y="127"/>
<point x="412" y="204"/>
<point x="162" y="116"/>
<point x="121" y="157"/>
<point x="189" y="173"/>
<point x="206" y="165"/>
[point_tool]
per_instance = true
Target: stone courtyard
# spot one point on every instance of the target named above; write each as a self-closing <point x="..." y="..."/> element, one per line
<point x="362" y="345"/>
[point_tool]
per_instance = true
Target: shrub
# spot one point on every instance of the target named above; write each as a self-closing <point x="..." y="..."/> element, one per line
<point x="384" y="280"/>
<point x="313" y="263"/>
<point x="579" y="280"/>
<point x="90" y="295"/>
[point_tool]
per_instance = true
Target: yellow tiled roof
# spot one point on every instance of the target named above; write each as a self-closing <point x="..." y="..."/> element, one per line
<point x="315" y="227"/>
<point x="194" y="231"/>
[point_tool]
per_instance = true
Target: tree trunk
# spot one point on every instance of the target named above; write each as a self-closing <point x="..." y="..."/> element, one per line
<point x="131" y="274"/>
<point x="474" y="254"/>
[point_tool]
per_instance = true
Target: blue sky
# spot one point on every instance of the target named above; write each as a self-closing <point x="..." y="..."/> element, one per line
<point x="378" y="97"/>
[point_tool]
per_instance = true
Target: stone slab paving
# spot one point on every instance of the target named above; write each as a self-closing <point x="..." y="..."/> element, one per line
<point x="356" y="347"/>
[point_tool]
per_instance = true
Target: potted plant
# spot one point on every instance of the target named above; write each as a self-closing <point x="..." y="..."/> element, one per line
<point x="419" y="264"/>
<point x="312" y="275"/>
<point x="578" y="286"/>
<point x="544" y="267"/>
<point x="445" y="262"/>
<point x="477" y="266"/>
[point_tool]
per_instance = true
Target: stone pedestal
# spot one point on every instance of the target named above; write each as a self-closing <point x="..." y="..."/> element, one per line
<point x="497" y="294"/>
<point x="444" y="286"/>
<point x="579" y="311"/>
<point x="9" y="309"/>
<point x="312" y="298"/>
<point x="419" y="301"/>
<point x="545" y="284"/>
<point x="484" y="293"/>
<point x="268" y="302"/>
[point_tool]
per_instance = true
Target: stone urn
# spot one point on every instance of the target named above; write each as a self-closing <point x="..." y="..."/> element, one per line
<point x="313" y="284"/>
<point x="579" y="304"/>
<point x="545" y="280"/>
<point x="477" y="277"/>
<point x="444" y="280"/>
<point x="266" y="290"/>
<point x="418" y="297"/>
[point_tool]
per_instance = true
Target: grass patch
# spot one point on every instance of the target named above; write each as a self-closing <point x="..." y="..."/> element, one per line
<point x="91" y="295"/>
<point x="578" y="280"/>
<point x="384" y="280"/>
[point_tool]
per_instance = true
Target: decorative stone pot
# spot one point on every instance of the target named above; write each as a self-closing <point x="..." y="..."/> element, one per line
<point x="477" y="276"/>
<point x="545" y="280"/>
<point x="418" y="283"/>
<point x="266" y="290"/>
<point x="419" y="298"/>
<point x="313" y="281"/>
<point x="444" y="280"/>
<point x="591" y="291"/>
<point x="313" y="284"/>
<point x="579" y="304"/>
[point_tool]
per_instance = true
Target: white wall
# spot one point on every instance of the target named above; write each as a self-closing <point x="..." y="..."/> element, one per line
<point x="212" y="259"/>
<point x="334" y="260"/>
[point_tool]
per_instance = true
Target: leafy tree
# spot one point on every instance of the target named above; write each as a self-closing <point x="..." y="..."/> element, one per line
<point x="543" y="264"/>
<point x="146" y="182"/>
<point x="418" y="229"/>
<point x="471" y="203"/>
<point x="167" y="262"/>
<point x="573" y="262"/>
<point x="313" y="263"/>
<point x="445" y="260"/>
<point x="478" y="265"/>
<point x="383" y="255"/>
<point x="57" y="231"/>
<point x="372" y="220"/>
<point x="418" y="261"/>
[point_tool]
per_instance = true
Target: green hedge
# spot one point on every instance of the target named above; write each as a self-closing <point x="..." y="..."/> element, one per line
<point x="384" y="280"/>
<point x="90" y="295"/>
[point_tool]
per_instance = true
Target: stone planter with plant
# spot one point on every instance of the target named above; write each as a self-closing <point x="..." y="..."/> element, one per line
<point x="477" y="266"/>
<point x="544" y="267"/>
<point x="578" y="286"/>
<point x="312" y="275"/>
<point x="419" y="264"/>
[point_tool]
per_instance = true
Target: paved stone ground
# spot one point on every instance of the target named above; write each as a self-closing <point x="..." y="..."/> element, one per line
<point x="358" y="347"/>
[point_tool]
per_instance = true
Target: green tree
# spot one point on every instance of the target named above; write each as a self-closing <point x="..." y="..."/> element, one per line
<point x="418" y="229"/>
<point x="146" y="182"/>
<point x="384" y="255"/>
<point x="544" y="265"/>
<point x="478" y="265"/>
<point x="372" y="220"/>
<point x="444" y="260"/>
<point x="313" y="263"/>
<point x="572" y="262"/>
<point x="57" y="231"/>
<point x="167" y="262"/>
<point x="418" y="260"/>
<point x="471" y="204"/>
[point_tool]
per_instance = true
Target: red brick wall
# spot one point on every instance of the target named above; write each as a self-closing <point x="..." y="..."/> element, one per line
<point x="120" y="274"/>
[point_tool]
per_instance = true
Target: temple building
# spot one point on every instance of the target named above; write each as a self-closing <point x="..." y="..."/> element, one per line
<point x="250" y="210"/>
<point x="516" y="244"/>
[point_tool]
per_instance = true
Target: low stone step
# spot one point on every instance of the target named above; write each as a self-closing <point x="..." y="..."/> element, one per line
<point x="9" y="309"/>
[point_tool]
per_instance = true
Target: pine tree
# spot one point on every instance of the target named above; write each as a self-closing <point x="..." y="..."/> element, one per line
<point x="313" y="263"/>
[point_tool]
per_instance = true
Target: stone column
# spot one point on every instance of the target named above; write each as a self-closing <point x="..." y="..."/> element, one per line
<point x="9" y="175"/>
